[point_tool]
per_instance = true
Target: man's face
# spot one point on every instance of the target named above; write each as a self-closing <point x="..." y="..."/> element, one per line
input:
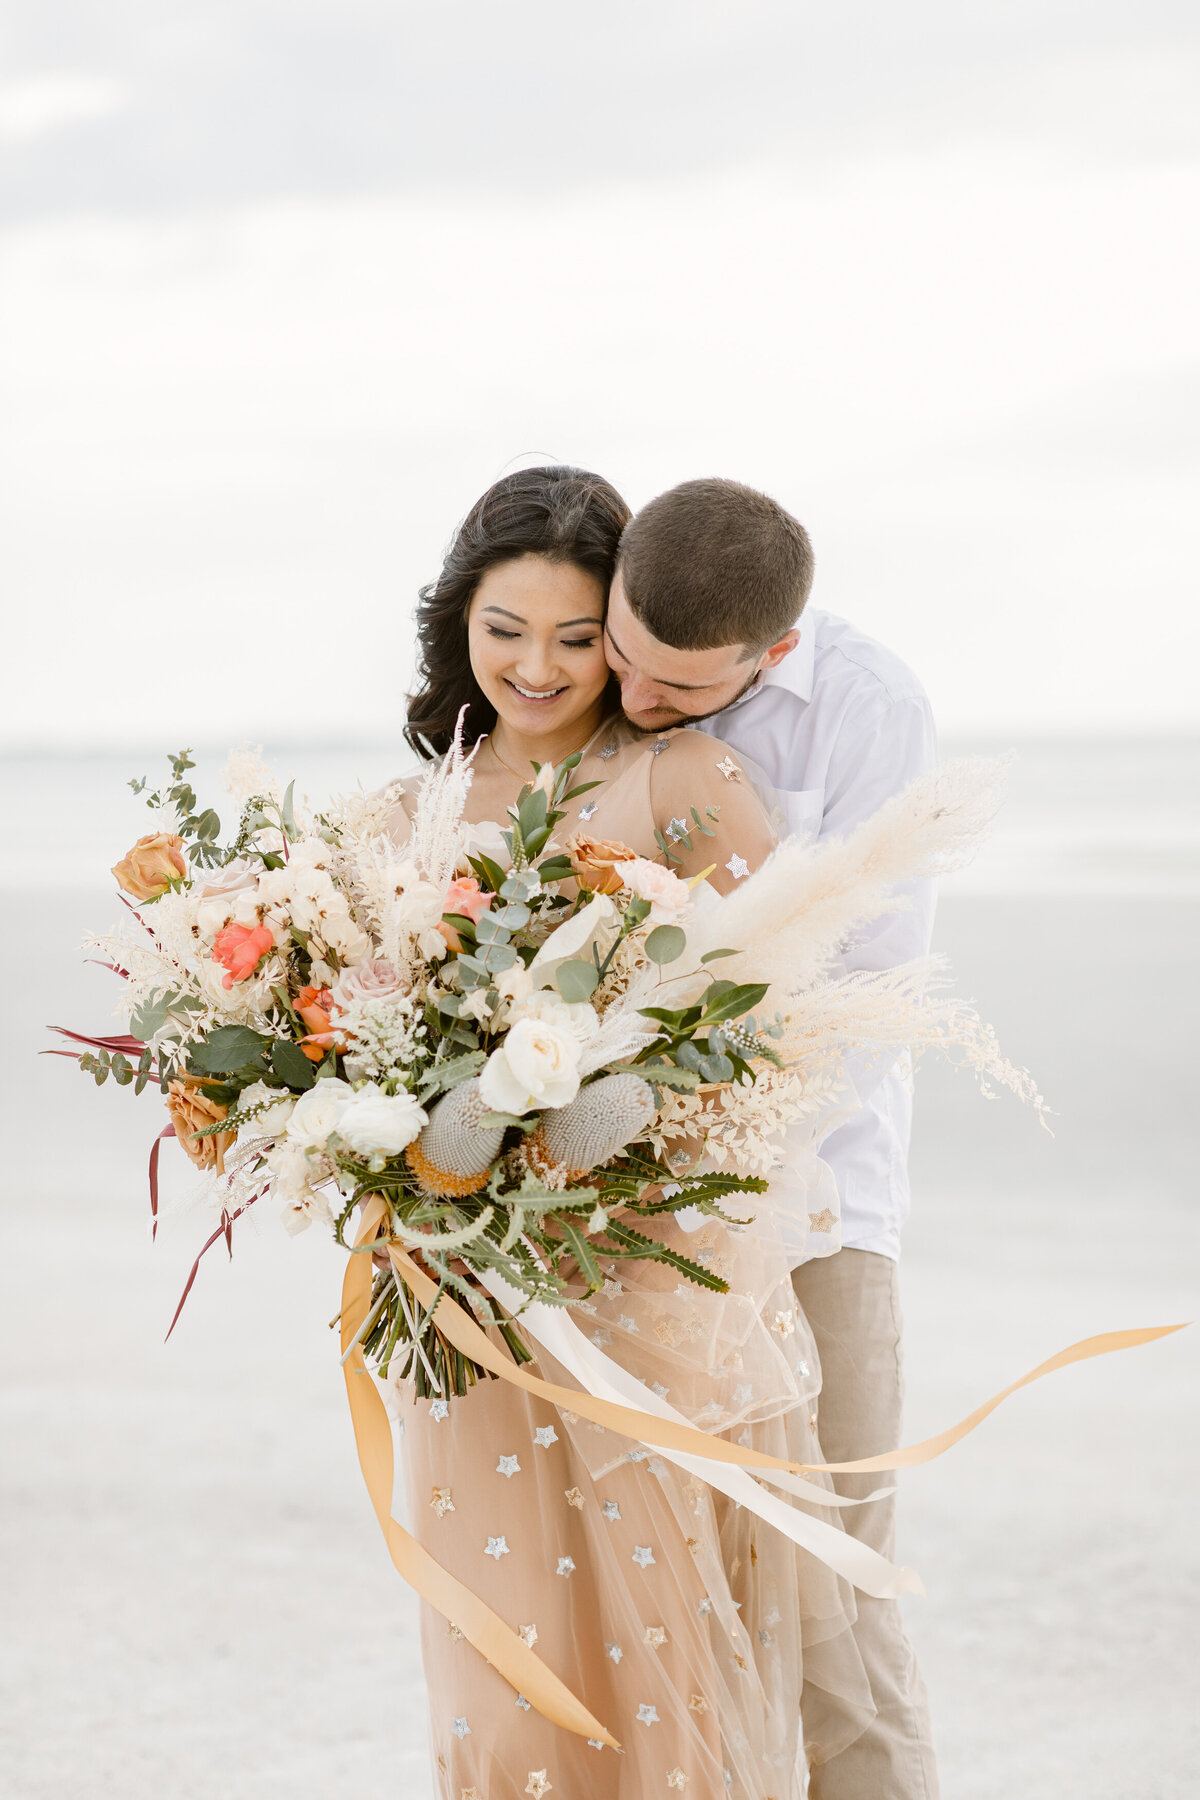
<point x="661" y="687"/>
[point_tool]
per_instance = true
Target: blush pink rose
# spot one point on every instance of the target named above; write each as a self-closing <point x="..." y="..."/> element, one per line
<point x="466" y="897"/>
<point x="240" y="949"/>
<point x="366" y="981"/>
<point x="669" y="897"/>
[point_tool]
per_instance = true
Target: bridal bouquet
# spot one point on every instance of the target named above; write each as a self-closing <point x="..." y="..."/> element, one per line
<point x="445" y="1025"/>
<point x="514" y="1053"/>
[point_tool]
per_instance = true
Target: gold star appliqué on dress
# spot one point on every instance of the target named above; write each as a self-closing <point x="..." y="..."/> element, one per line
<point x="729" y="769"/>
<point x="442" y="1502"/>
<point x="537" y="1785"/>
<point x="656" y="1637"/>
<point x="676" y="1779"/>
<point x="823" y="1220"/>
<point x="574" y="1498"/>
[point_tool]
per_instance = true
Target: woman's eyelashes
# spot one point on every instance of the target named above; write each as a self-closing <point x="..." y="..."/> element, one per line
<point x="587" y="643"/>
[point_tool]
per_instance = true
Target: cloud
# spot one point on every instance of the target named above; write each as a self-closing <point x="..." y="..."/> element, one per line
<point x="38" y="105"/>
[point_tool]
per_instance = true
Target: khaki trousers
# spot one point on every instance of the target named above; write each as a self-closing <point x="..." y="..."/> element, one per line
<point x="852" y="1302"/>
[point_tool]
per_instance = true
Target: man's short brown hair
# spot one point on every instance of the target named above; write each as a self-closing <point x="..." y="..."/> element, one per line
<point x="711" y="562"/>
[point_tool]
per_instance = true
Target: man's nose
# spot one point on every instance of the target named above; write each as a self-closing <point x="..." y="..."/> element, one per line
<point x="639" y="695"/>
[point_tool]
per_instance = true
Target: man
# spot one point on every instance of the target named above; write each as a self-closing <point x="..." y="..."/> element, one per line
<point x="707" y="626"/>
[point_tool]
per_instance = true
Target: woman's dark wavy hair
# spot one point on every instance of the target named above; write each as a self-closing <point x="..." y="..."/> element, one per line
<point x="567" y="515"/>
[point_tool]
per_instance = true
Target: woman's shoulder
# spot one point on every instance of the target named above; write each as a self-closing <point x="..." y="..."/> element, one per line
<point x="685" y="753"/>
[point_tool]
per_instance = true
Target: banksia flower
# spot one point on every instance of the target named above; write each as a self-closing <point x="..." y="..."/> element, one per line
<point x="595" y="1126"/>
<point x="454" y="1153"/>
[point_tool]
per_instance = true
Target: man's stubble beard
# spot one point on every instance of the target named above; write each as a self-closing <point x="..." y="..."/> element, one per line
<point x="689" y="718"/>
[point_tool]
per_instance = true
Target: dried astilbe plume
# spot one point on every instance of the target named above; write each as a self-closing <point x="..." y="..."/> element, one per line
<point x="437" y="819"/>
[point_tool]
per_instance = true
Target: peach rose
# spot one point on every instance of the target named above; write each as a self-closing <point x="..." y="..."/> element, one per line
<point x="240" y="949"/>
<point x="191" y="1109"/>
<point x="464" y="896"/>
<point x="155" y="861"/>
<point x="595" y="861"/>
<point x="313" y="1005"/>
<point x="669" y="897"/>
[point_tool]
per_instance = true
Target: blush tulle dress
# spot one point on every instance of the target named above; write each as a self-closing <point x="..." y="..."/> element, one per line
<point x="684" y="1622"/>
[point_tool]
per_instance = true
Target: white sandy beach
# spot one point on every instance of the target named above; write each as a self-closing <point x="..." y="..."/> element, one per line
<point x="203" y="1609"/>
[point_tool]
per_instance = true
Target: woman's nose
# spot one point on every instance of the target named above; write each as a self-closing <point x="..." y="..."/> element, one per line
<point x="537" y="665"/>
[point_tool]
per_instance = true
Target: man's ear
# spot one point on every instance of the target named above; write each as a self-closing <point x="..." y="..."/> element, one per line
<point x="784" y="647"/>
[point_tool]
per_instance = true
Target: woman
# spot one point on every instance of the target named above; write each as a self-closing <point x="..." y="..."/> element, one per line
<point x="680" y="1620"/>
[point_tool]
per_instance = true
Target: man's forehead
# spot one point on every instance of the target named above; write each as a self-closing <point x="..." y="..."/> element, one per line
<point x="661" y="663"/>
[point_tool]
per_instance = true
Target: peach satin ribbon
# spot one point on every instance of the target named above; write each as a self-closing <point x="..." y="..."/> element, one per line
<point x="495" y="1640"/>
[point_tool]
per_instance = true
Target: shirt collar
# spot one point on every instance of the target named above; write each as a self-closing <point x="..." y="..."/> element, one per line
<point x="794" y="674"/>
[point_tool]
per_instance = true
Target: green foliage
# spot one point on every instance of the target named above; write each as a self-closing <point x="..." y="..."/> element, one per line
<point x="577" y="980"/>
<point x="291" y="1065"/>
<point x="230" y="1048"/>
<point x="666" y="943"/>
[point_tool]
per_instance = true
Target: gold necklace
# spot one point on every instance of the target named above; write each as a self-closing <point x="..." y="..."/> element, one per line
<point x="524" y="779"/>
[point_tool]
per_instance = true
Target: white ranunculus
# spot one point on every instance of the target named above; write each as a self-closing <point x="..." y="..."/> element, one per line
<point x="340" y="933"/>
<point x="303" y="1210"/>
<point x="536" y="1066"/>
<point x="317" y="1113"/>
<point x="290" y="1170"/>
<point x="277" y="1107"/>
<point x="669" y="897"/>
<point x="379" y="1124"/>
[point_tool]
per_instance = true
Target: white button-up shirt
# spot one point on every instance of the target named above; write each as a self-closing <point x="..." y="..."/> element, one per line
<point x="838" y="727"/>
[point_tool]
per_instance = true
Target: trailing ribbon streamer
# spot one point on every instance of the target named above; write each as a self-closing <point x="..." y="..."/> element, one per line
<point x="482" y="1627"/>
<point x="913" y="1454"/>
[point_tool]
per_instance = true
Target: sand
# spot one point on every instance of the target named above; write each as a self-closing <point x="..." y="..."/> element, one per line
<point x="203" y="1604"/>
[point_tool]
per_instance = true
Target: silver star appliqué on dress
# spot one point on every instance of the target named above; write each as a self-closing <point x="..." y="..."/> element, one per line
<point x="442" y="1502"/>
<point x="439" y="1410"/>
<point x="662" y="744"/>
<point x="522" y="1702"/>
<point x="737" y="866"/>
<point x="566" y="1565"/>
<point x="648" y="1714"/>
<point x="613" y="1652"/>
<point x="612" y="1511"/>
<point x="656" y="1637"/>
<point x="643" y="1555"/>
<point x="497" y="1547"/>
<point x="461" y="1729"/>
<point x="588" y="812"/>
<point x="677" y="830"/>
<point x="676" y="1779"/>
<point x="545" y="1435"/>
<point x="528" y="1636"/>
<point x="508" y="1465"/>
<point x="729" y="769"/>
<point x="608" y="750"/>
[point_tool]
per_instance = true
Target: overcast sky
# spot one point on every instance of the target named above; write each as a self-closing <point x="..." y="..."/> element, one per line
<point x="284" y="286"/>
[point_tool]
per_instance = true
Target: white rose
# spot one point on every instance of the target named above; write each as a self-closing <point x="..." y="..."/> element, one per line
<point x="277" y="1111"/>
<point x="486" y="838"/>
<point x="669" y="897"/>
<point x="375" y="1123"/>
<point x="537" y="1065"/>
<point x="222" y="890"/>
<point x="290" y="1171"/>
<point x="575" y="1017"/>
<point x="317" y="1113"/>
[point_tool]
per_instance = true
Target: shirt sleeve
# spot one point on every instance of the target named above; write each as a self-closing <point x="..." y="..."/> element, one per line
<point x="705" y="808"/>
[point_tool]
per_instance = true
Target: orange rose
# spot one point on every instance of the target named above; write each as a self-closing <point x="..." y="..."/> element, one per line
<point x="594" y="862"/>
<point x="155" y="861"/>
<point x="239" y="949"/>
<point x="313" y="1005"/>
<point x="190" y="1110"/>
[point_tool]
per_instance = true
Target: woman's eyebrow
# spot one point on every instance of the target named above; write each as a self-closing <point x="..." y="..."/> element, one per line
<point x="504" y="613"/>
<point x="589" y="619"/>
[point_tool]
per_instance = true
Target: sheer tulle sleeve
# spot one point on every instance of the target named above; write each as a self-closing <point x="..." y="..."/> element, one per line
<point x="699" y="786"/>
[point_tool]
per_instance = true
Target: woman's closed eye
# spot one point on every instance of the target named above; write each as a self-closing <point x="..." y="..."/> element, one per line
<point x="587" y="643"/>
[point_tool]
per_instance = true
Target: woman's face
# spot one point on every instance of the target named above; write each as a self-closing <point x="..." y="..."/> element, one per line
<point x="536" y="645"/>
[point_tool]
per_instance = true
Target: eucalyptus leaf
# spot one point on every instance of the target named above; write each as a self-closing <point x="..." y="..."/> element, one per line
<point x="665" y="943"/>
<point x="576" y="980"/>
<point x="712" y="955"/>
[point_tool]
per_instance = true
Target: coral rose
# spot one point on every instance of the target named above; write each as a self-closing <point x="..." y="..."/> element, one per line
<point x="466" y="897"/>
<point x="239" y="949"/>
<point x="594" y="862"/>
<point x="155" y="861"/>
<point x="191" y="1109"/>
